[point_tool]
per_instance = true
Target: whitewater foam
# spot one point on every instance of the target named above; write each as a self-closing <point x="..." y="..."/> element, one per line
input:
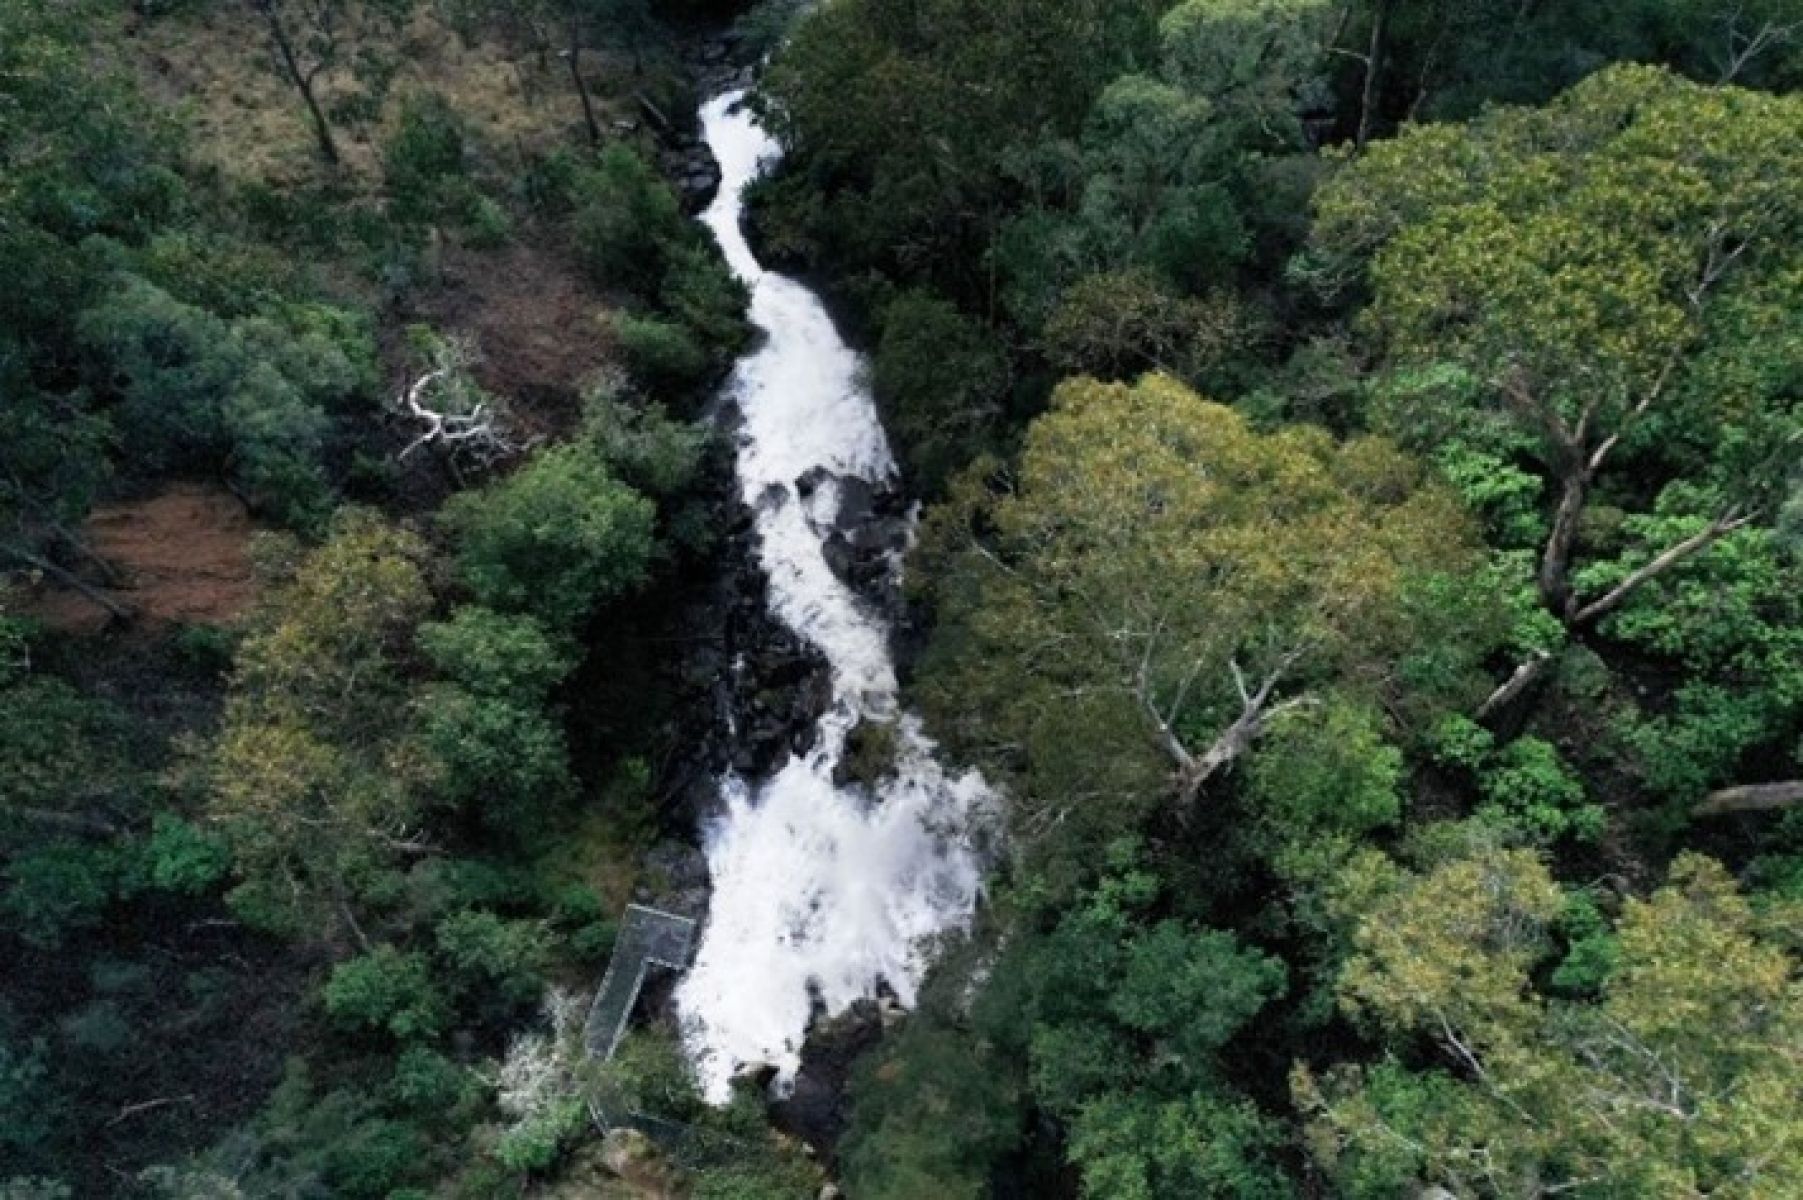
<point x="818" y="892"/>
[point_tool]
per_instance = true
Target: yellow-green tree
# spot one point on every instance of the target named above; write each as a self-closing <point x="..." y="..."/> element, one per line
<point x="1682" y="1077"/>
<point x="313" y="777"/>
<point x="1159" y="582"/>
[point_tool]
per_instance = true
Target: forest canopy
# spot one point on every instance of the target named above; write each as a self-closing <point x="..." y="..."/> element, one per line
<point x="1359" y="449"/>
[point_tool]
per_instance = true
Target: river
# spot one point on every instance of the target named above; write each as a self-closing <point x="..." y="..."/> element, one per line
<point x="818" y="891"/>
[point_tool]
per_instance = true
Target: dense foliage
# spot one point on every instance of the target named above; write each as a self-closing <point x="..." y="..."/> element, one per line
<point x="295" y="903"/>
<point x="1363" y="446"/>
<point x="1362" y="437"/>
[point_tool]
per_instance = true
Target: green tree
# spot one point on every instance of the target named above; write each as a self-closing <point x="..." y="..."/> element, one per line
<point x="554" y="539"/>
<point x="1160" y="585"/>
<point x="1259" y="63"/>
<point x="387" y="990"/>
<point x="309" y="40"/>
<point x="1586" y="266"/>
<point x="941" y="381"/>
<point x="492" y="654"/>
<point x="919" y="115"/>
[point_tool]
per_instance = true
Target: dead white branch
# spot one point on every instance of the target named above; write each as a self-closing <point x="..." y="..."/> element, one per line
<point x="456" y="418"/>
<point x="1751" y="797"/>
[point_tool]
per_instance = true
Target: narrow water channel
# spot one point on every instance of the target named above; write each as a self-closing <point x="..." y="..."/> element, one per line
<point x="818" y="890"/>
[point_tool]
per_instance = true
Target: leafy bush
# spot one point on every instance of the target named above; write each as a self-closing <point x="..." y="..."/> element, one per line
<point x="425" y="151"/>
<point x="500" y="964"/>
<point x="540" y="1140"/>
<point x="664" y="354"/>
<point x="507" y="762"/>
<point x="55" y="889"/>
<point x="643" y="445"/>
<point x="493" y="654"/>
<point x="700" y="293"/>
<point x="27" y="1103"/>
<point x="1531" y="782"/>
<point x="183" y="858"/>
<point x="554" y="539"/>
<point x="626" y="222"/>
<point x="552" y="182"/>
<point x="427" y="1083"/>
<point x="387" y="990"/>
<point x="941" y="379"/>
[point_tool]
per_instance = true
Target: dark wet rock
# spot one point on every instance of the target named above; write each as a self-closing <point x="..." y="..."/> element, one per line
<point x="772" y="496"/>
<point x="869" y="756"/>
<point x="690" y="167"/>
<point x="815" y="1109"/>
<point x="756" y="1076"/>
<point x="675" y="879"/>
<point x="857" y="505"/>
<point x="810" y="481"/>
<point x="866" y="528"/>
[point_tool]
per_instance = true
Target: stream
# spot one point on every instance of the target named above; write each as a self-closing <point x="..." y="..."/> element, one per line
<point x="820" y="892"/>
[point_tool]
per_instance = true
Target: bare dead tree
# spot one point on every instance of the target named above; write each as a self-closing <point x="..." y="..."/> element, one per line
<point x="574" y="54"/>
<point x="1258" y="708"/>
<point x="1753" y="797"/>
<point x="1748" y="39"/>
<point x="456" y="417"/>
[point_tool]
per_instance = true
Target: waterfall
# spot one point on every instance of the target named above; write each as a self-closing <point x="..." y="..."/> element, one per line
<point x="817" y="890"/>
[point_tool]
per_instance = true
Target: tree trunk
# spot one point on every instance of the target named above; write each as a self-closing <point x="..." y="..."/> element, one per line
<point x="322" y="130"/>
<point x="74" y="582"/>
<point x="588" y="104"/>
<point x="1380" y="21"/>
<point x="1716" y="530"/>
<point x="1256" y="714"/>
<point x="301" y="79"/>
<point x="1555" y="561"/>
<point x="1524" y="678"/>
<point x="1755" y="797"/>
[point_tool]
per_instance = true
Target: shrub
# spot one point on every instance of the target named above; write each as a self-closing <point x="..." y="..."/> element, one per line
<point x="626" y="219"/>
<point x="663" y="354"/>
<point x="428" y="1083"/>
<point x="509" y="762"/>
<point x="702" y="294"/>
<point x="500" y="963"/>
<point x="184" y="858"/>
<point x="26" y="1100"/>
<point x="387" y="990"/>
<point x="552" y="182"/>
<point x="538" y="1141"/>
<point x="425" y="152"/>
<point x="554" y="539"/>
<point x="643" y="445"/>
<point x="1530" y="782"/>
<point x="493" y="654"/>
<point x="55" y="889"/>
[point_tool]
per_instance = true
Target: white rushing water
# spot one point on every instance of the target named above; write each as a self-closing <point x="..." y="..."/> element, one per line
<point x="816" y="889"/>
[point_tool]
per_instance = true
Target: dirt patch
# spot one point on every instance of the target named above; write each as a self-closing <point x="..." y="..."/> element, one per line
<point x="181" y="556"/>
<point x="540" y="331"/>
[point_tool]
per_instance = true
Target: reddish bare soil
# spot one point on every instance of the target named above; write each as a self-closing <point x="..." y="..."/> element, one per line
<point x="540" y="330"/>
<point x="181" y="555"/>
